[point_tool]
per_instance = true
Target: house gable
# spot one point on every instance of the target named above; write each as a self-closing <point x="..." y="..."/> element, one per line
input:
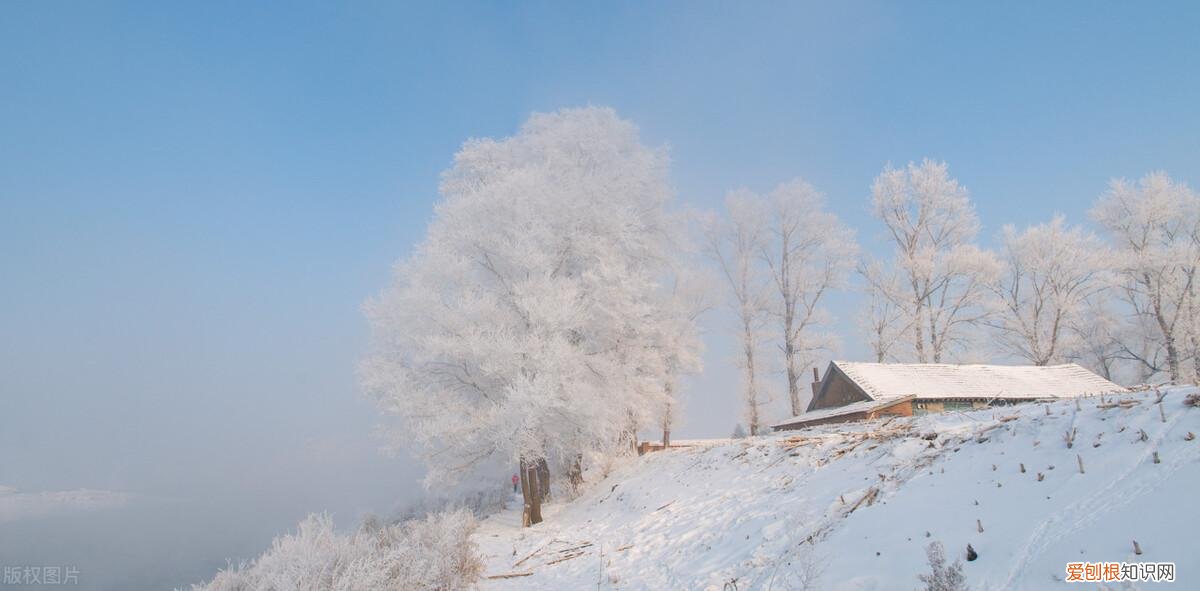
<point x="837" y="389"/>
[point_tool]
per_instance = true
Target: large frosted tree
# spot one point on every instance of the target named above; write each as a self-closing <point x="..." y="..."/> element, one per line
<point x="534" y="323"/>
<point x="808" y="253"/>
<point x="1154" y="227"/>
<point x="1050" y="273"/>
<point x="935" y="287"/>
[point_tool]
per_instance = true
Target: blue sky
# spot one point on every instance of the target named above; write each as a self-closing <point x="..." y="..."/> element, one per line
<point x="195" y="199"/>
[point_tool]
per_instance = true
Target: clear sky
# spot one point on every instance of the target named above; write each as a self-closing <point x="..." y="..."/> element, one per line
<point x="196" y="198"/>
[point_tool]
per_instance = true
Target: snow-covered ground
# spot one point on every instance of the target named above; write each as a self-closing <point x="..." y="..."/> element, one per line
<point x="853" y="507"/>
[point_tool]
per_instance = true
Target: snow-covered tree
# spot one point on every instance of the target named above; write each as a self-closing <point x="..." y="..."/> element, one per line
<point x="431" y="553"/>
<point x="534" y="323"/>
<point x="1098" y="335"/>
<point x="942" y="576"/>
<point x="690" y="297"/>
<point x="941" y="275"/>
<point x="884" y="321"/>
<point x="735" y="243"/>
<point x="1154" y="227"/>
<point x="809" y="253"/>
<point x="1050" y="271"/>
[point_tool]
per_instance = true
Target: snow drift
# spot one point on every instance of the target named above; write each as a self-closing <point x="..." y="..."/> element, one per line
<point x="854" y="507"/>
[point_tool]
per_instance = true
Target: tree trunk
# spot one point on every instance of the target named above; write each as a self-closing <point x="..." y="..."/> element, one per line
<point x="543" y="473"/>
<point x="531" y="494"/>
<point x="918" y="329"/>
<point x="793" y="377"/>
<point x="666" y="422"/>
<point x="631" y="434"/>
<point x="1167" y="329"/>
<point x="935" y="339"/>
<point x="575" y="473"/>
<point x="751" y="386"/>
<point x="789" y="320"/>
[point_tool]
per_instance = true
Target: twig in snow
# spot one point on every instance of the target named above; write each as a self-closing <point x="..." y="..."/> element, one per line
<point x="979" y="526"/>
<point x="572" y="549"/>
<point x="1069" y="437"/>
<point x="509" y="575"/>
<point x="532" y="554"/>
<point x="1190" y="436"/>
<point x="868" y="498"/>
<point x="1156" y="460"/>
<point x="566" y="558"/>
<point x="1161" y="413"/>
<point x="1126" y="404"/>
<point x="1041" y="476"/>
<point x="1137" y="549"/>
<point x="1080" y="458"/>
<point x="600" y="579"/>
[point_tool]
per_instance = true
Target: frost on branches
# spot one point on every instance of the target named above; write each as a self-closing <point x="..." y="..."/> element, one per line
<point x="537" y="322"/>
<point x="809" y="252"/>
<point x="1051" y="273"/>
<point x="782" y="256"/>
<point x="1154" y="226"/>
<point x="926" y="303"/>
<point x="432" y="553"/>
<point x="942" y="577"/>
<point x="735" y="243"/>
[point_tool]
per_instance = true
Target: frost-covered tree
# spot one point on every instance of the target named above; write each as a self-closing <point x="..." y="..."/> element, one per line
<point x="1098" y="335"/>
<point x="690" y="297"/>
<point x="809" y="253"/>
<point x="735" y="244"/>
<point x="1154" y="227"/>
<point x="941" y="275"/>
<point x="884" y="321"/>
<point x="534" y="323"/>
<point x="942" y="576"/>
<point x="1050" y="271"/>
<point x="431" y="553"/>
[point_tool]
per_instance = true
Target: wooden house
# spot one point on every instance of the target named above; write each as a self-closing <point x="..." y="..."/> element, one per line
<point x="854" y="391"/>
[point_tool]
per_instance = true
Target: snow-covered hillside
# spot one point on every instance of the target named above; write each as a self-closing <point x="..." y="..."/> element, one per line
<point x="853" y="507"/>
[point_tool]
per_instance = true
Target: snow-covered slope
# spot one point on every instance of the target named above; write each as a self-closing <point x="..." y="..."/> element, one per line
<point x="852" y="507"/>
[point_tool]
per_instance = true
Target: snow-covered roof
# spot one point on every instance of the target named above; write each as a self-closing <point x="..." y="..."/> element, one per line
<point x="939" y="380"/>
<point x="837" y="411"/>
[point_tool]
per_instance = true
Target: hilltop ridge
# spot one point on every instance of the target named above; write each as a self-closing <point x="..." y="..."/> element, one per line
<point x="852" y="507"/>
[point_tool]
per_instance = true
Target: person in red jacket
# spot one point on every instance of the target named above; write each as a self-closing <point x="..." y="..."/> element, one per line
<point x="515" y="481"/>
